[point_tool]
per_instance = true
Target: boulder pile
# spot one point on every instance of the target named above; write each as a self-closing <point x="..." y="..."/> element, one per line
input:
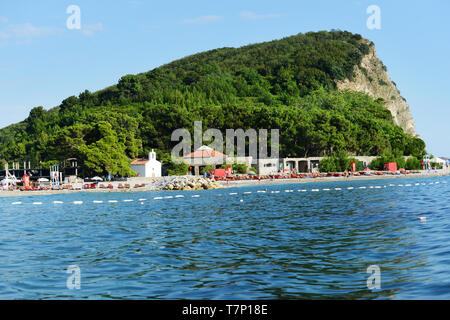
<point x="186" y="183"/>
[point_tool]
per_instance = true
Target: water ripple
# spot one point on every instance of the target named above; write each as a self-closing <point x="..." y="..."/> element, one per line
<point x="286" y="245"/>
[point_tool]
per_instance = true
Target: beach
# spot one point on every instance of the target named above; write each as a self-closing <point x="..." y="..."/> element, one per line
<point x="423" y="174"/>
<point x="150" y="183"/>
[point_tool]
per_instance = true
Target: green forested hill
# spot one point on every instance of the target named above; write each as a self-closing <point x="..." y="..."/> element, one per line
<point x="287" y="84"/>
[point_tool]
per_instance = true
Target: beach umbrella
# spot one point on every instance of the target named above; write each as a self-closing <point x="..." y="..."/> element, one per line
<point x="43" y="180"/>
<point x="97" y="179"/>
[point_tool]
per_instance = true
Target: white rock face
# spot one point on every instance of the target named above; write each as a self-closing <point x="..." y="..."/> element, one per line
<point x="372" y="78"/>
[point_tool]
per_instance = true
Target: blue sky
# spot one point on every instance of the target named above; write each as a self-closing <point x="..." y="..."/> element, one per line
<point x="42" y="61"/>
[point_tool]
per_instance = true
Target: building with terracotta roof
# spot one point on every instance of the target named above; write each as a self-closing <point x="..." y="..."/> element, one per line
<point x="147" y="167"/>
<point x="205" y="156"/>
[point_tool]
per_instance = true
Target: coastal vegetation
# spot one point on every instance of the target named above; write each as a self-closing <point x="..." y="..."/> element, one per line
<point x="412" y="163"/>
<point x="287" y="84"/>
<point x="339" y="162"/>
<point x="239" y="168"/>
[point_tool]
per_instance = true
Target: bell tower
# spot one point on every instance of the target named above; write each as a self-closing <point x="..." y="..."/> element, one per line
<point x="152" y="156"/>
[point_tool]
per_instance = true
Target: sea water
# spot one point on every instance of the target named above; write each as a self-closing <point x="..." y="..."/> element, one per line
<point x="279" y="241"/>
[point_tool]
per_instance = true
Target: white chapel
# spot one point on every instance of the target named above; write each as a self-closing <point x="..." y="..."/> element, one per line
<point x="147" y="168"/>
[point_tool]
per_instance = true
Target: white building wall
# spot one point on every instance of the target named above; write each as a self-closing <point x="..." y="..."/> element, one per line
<point x="268" y="166"/>
<point x="440" y="161"/>
<point x="153" y="169"/>
<point x="139" y="169"/>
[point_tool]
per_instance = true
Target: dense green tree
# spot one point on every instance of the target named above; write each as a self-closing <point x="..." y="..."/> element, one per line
<point x="288" y="84"/>
<point x="130" y="86"/>
<point x="106" y="154"/>
<point x="68" y="103"/>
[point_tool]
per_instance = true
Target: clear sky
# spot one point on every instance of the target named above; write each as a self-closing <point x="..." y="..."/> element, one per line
<point x="42" y="61"/>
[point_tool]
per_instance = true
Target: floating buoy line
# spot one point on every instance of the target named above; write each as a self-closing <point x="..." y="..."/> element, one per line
<point x="179" y="196"/>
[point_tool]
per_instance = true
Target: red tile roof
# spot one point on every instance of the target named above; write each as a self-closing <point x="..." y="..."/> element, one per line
<point x="140" y="161"/>
<point x="205" y="154"/>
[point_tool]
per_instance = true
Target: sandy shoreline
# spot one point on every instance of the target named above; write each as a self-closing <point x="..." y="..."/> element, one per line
<point x="224" y="184"/>
<point x="18" y="193"/>
<point x="337" y="179"/>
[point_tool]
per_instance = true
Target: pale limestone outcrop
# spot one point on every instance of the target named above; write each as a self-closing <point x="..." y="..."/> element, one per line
<point x="371" y="77"/>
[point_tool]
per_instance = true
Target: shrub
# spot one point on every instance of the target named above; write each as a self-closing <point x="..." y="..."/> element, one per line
<point x="359" y="165"/>
<point x="173" y="169"/>
<point x="338" y="162"/>
<point x="396" y="156"/>
<point x="435" y="164"/>
<point x="327" y="165"/>
<point x="239" y="168"/>
<point x="412" y="164"/>
<point x="178" y="169"/>
<point x="207" y="169"/>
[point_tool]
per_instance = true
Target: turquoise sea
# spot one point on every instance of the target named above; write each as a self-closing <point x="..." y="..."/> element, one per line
<point x="291" y="241"/>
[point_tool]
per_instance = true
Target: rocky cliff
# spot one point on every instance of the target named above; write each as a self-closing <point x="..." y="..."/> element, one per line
<point x="372" y="78"/>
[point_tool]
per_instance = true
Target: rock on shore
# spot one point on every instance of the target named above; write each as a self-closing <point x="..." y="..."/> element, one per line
<point x="186" y="183"/>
